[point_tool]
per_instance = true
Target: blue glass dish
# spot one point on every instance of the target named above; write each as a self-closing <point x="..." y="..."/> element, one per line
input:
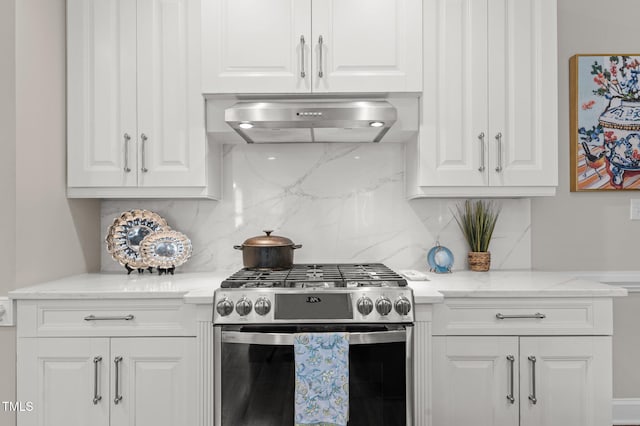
<point x="440" y="259"/>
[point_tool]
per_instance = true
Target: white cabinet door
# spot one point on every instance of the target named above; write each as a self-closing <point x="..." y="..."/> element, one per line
<point x="453" y="134"/>
<point x="572" y="381"/>
<point x="135" y="107"/>
<point x="58" y="377"/>
<point x="156" y="379"/>
<point x="101" y="92"/>
<point x="255" y="46"/>
<point x="171" y="132"/>
<point x="522" y="93"/>
<point x="489" y="117"/>
<point x="367" y="45"/>
<point x="472" y="379"/>
<point x="258" y="46"/>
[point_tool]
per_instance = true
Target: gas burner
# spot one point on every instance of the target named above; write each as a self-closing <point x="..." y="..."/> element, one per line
<point x="318" y="275"/>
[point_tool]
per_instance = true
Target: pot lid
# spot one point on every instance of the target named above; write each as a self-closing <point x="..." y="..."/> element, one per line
<point x="267" y="240"/>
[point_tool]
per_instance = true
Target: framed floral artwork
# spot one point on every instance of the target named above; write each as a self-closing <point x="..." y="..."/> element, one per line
<point x="605" y="122"/>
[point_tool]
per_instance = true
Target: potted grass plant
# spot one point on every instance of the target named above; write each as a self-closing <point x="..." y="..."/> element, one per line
<point x="477" y="220"/>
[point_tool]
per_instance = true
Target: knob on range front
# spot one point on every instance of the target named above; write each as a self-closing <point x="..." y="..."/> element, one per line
<point x="243" y="307"/>
<point x="364" y="305"/>
<point x="224" y="307"/>
<point x="403" y="305"/>
<point x="383" y="306"/>
<point x="262" y="306"/>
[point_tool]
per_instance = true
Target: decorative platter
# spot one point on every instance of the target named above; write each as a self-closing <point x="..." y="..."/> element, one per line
<point x="126" y="234"/>
<point x="165" y="250"/>
<point x="440" y="259"/>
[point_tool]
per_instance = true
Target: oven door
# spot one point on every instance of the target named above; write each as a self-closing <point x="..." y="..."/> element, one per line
<point x="254" y="374"/>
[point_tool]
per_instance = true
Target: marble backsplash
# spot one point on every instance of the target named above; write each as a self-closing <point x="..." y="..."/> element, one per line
<point x="342" y="202"/>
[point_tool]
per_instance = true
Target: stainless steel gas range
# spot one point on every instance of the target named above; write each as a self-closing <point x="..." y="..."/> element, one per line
<point x="258" y="313"/>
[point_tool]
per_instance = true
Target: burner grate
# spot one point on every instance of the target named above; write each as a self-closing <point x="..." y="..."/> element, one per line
<point x="318" y="276"/>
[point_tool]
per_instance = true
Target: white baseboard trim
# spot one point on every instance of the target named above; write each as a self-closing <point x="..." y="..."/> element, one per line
<point x="626" y="411"/>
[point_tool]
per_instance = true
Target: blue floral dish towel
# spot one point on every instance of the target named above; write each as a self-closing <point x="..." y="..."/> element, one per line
<point x="322" y="378"/>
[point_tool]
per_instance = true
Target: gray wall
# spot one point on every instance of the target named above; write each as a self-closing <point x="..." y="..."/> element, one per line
<point x="56" y="236"/>
<point x="8" y="195"/>
<point x="45" y="236"/>
<point x="592" y="231"/>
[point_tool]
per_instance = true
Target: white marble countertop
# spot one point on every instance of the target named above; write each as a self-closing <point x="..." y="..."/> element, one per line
<point x="519" y="283"/>
<point x="198" y="287"/>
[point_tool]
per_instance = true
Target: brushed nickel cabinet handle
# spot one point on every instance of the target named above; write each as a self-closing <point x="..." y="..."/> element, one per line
<point x="144" y="139"/>
<point x="108" y="318"/>
<point x="320" y="45"/>
<point x="511" y="360"/>
<point x="127" y="139"/>
<point x="96" y="396"/>
<point x="499" y="142"/>
<point x="118" y="397"/>
<point x="533" y="398"/>
<point x="302" y="42"/>
<point x="481" y="139"/>
<point x="537" y="315"/>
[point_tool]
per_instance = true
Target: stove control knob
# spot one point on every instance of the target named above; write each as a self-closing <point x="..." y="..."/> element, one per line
<point x="263" y="306"/>
<point x="383" y="305"/>
<point x="224" y="307"/>
<point x="403" y="305"/>
<point x="243" y="307"/>
<point x="365" y="305"/>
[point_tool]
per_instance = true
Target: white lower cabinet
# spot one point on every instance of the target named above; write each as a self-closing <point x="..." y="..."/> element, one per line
<point x="120" y="381"/>
<point x="517" y="380"/>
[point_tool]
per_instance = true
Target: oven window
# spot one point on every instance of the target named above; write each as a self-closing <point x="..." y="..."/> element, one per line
<point x="258" y="385"/>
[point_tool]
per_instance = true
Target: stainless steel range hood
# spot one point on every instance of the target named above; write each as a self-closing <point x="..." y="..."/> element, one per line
<point x="311" y="120"/>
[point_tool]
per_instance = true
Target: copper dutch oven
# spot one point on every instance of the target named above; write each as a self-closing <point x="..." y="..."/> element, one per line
<point x="269" y="252"/>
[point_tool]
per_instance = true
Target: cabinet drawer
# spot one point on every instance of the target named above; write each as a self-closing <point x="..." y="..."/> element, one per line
<point x="523" y="317"/>
<point x="37" y="318"/>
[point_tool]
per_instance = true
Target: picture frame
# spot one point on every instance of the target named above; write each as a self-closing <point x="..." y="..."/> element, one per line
<point x="604" y="117"/>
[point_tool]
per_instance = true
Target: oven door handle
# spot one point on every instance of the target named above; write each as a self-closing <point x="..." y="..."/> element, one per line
<point x="286" y="339"/>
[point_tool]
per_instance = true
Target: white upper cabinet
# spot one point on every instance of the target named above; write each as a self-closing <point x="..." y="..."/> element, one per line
<point x="367" y="46"/>
<point x="489" y="117"/>
<point x="302" y="46"/>
<point x="523" y="93"/>
<point x="135" y="108"/>
<point x="256" y="46"/>
<point x="101" y="92"/>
